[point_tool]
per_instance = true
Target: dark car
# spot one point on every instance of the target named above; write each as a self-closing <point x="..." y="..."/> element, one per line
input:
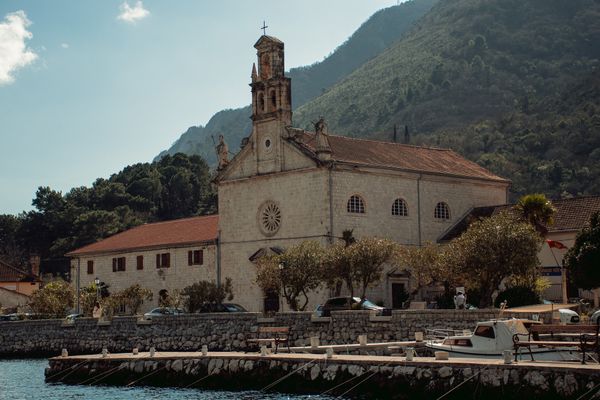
<point x="351" y="303"/>
<point x="224" y="307"/>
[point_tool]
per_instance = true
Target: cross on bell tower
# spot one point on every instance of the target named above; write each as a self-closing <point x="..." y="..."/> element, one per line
<point x="264" y="28"/>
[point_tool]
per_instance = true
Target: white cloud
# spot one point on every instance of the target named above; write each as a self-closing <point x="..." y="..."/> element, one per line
<point x="133" y="14"/>
<point x="64" y="45"/>
<point x="14" y="53"/>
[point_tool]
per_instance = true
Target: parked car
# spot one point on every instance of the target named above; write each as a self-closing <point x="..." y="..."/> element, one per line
<point x="73" y="317"/>
<point x="9" y="317"/>
<point x="162" y="311"/>
<point x="350" y="303"/>
<point x="223" y="307"/>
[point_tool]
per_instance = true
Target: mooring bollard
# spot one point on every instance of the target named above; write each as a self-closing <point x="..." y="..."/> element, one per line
<point x="508" y="356"/>
<point x="329" y="352"/>
<point x="135" y="351"/>
<point x="410" y="352"/>
<point x="441" y="355"/>
<point x="104" y="352"/>
<point x="204" y="349"/>
<point x="263" y="350"/>
<point x="418" y="336"/>
<point x="362" y="340"/>
<point x="314" y="342"/>
<point x="152" y="351"/>
<point x="64" y="353"/>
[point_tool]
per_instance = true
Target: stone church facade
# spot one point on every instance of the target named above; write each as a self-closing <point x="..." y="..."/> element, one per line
<point x="287" y="185"/>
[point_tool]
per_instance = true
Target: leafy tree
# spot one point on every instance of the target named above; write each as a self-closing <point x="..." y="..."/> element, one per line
<point x="367" y="259"/>
<point x="493" y="249"/>
<point x="133" y="297"/>
<point x="583" y="259"/>
<point x="88" y="296"/>
<point x="206" y="293"/>
<point x="517" y="296"/>
<point x="357" y="263"/>
<point x="424" y="264"/>
<point x="55" y="299"/>
<point x="537" y="210"/>
<point x="294" y="273"/>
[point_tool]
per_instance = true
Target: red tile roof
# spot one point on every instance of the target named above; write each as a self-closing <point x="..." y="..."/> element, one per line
<point x="160" y="234"/>
<point x="8" y="273"/>
<point x="571" y="215"/>
<point x="398" y="156"/>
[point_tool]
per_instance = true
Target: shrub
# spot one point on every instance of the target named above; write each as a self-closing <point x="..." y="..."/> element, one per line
<point x="518" y="296"/>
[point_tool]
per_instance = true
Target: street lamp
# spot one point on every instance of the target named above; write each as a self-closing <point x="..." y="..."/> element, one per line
<point x="97" y="282"/>
<point x="282" y="287"/>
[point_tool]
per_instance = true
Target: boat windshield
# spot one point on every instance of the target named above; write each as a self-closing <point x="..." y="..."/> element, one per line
<point x="458" y="342"/>
<point x="485" y="331"/>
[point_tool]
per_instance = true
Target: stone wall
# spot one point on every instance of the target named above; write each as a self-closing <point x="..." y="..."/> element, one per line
<point x="387" y="377"/>
<point x="220" y="331"/>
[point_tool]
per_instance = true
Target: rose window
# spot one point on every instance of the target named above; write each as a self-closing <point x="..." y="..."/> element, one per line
<point x="269" y="218"/>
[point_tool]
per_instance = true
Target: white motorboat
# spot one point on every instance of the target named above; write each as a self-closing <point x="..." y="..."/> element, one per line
<point x="491" y="338"/>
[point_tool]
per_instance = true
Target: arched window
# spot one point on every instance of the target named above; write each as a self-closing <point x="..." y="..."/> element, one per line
<point x="442" y="211"/>
<point x="273" y="100"/>
<point x="399" y="208"/>
<point x="356" y="205"/>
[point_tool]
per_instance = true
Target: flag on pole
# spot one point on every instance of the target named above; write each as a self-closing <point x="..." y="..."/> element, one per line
<point x="556" y="244"/>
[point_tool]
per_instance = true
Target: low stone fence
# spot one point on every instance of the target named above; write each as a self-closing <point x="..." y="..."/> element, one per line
<point x="223" y="331"/>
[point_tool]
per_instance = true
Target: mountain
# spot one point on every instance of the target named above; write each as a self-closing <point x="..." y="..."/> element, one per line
<point x="374" y="36"/>
<point x="510" y="84"/>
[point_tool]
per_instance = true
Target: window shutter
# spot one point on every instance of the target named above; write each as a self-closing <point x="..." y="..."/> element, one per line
<point x="158" y="261"/>
<point x="190" y="257"/>
<point x="201" y="257"/>
<point x="90" y="267"/>
<point x="140" y="262"/>
<point x="114" y="265"/>
<point x="168" y="260"/>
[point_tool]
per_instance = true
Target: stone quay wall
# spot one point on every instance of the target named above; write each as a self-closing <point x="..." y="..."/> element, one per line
<point x="223" y="332"/>
<point x="388" y="377"/>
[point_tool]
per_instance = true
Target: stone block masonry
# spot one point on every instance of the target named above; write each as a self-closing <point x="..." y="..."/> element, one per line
<point x="342" y="375"/>
<point x="221" y="331"/>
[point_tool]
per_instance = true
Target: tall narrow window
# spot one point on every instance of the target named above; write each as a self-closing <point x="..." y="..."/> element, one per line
<point x="195" y="257"/>
<point x="442" y="211"/>
<point x="356" y="205"/>
<point x="399" y="208"/>
<point x="273" y="100"/>
<point x="90" y="267"/>
<point x="163" y="260"/>
<point x="140" y="262"/>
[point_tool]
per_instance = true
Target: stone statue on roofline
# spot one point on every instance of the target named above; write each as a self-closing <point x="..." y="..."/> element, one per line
<point x="322" y="147"/>
<point x="222" y="153"/>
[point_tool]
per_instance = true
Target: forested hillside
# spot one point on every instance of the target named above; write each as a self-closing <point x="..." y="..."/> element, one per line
<point x="174" y="187"/>
<point x="505" y="82"/>
<point x="374" y="36"/>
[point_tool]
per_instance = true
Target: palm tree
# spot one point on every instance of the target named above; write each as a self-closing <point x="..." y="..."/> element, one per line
<point x="537" y="210"/>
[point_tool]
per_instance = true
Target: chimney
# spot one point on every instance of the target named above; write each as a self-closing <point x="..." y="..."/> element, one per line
<point x="34" y="262"/>
<point x="406" y="135"/>
<point x="395" y="134"/>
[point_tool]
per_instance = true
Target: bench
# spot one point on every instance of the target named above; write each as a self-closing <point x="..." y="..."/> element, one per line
<point x="586" y="335"/>
<point x="272" y="334"/>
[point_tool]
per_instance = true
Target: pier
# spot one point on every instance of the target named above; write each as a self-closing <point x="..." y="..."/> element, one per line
<point x="345" y="375"/>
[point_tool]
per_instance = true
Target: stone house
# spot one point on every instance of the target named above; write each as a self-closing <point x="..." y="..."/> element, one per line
<point x="571" y="216"/>
<point x="162" y="257"/>
<point x="17" y="285"/>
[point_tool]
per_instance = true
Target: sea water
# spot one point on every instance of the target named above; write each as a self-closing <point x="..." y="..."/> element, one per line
<point x="24" y="380"/>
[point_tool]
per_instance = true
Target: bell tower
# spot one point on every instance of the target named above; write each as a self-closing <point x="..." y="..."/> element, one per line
<point x="271" y="103"/>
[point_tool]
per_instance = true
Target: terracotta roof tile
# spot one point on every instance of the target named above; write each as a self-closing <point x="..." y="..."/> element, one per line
<point x="168" y="233"/>
<point x="8" y="273"/>
<point x="571" y="215"/>
<point x="400" y="156"/>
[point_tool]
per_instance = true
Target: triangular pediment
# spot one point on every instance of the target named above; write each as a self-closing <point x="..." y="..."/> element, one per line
<point x="266" y="40"/>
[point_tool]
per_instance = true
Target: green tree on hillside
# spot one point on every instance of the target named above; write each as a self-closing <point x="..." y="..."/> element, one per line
<point x="583" y="259"/>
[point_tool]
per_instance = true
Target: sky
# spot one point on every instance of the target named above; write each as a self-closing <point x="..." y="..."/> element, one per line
<point x="89" y="87"/>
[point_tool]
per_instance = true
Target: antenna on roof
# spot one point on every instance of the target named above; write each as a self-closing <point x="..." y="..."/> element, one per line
<point x="406" y="135"/>
<point x="395" y="134"/>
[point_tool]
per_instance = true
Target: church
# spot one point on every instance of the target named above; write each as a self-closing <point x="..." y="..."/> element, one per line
<point x="288" y="185"/>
